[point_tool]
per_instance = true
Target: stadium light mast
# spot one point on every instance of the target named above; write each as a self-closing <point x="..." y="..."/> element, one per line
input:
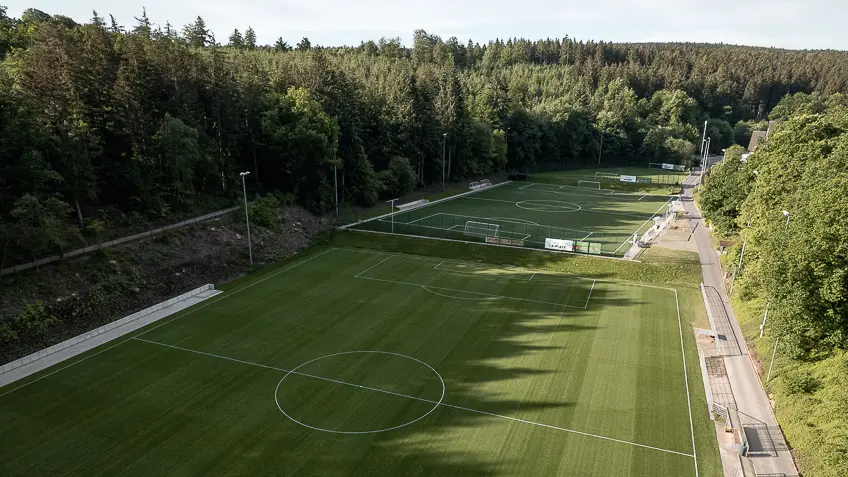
<point x="704" y="137"/>
<point x="336" y="187"/>
<point x="601" y="149"/>
<point x="742" y="255"/>
<point x="444" y="146"/>
<point x="392" y="205"/>
<point x="762" y="327"/>
<point x="246" y="214"/>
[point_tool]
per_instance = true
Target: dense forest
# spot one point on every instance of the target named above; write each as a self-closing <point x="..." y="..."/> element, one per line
<point x="787" y="206"/>
<point x="101" y="123"/>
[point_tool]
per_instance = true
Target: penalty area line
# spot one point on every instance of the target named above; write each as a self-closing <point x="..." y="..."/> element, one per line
<point x="344" y="383"/>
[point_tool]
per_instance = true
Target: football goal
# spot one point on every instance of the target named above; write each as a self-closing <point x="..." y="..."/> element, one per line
<point x="589" y="185"/>
<point x="481" y="229"/>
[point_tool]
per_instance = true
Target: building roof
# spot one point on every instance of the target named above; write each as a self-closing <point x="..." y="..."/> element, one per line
<point x="756" y="137"/>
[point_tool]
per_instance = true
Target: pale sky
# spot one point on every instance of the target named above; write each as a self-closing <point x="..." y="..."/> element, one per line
<point x="798" y="24"/>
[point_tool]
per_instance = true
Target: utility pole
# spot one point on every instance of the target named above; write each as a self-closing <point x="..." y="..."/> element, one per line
<point x="246" y="215"/>
<point x="765" y="317"/>
<point x="704" y="137"/>
<point x="392" y="205"/>
<point x="773" y="353"/>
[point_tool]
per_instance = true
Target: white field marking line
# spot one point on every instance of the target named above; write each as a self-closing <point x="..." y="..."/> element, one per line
<point x="622" y="244"/>
<point x="531" y="276"/>
<point x="513" y="221"/>
<point x="512" y="277"/>
<point x="584" y="238"/>
<point x="527" y="186"/>
<point x="373" y="431"/>
<point x="485" y="298"/>
<point x="550" y="273"/>
<point x="179" y="315"/>
<point x="439" y="265"/>
<point x="563" y="429"/>
<point x="423" y="218"/>
<point x="567" y="187"/>
<point x="590" y="295"/>
<point x="591" y="210"/>
<point x="372" y="266"/>
<point x="643" y="224"/>
<point x="502" y="297"/>
<point x="686" y="377"/>
<point x="640" y="198"/>
<point x="490" y="200"/>
<point x="501" y="220"/>
<point x="429" y="204"/>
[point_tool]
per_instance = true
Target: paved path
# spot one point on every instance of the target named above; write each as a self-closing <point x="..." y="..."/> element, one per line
<point x="751" y="399"/>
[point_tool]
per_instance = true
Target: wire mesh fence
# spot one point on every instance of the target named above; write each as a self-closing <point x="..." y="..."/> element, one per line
<point x="425" y="222"/>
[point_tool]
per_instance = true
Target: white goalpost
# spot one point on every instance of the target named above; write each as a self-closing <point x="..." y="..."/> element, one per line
<point x="481" y="229"/>
<point x="589" y="185"/>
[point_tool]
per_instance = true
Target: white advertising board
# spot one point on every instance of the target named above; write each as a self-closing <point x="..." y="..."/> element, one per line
<point x="558" y="244"/>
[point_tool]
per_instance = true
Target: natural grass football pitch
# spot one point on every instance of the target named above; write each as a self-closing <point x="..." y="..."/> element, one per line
<point x="532" y="212"/>
<point x="350" y="362"/>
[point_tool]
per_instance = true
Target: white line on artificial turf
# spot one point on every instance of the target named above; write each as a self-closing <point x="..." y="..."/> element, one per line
<point x="640" y="198"/>
<point x="179" y="315"/>
<point x="686" y="377"/>
<point x="549" y="273"/>
<point x="572" y="431"/>
<point x="590" y="295"/>
<point x="427" y="287"/>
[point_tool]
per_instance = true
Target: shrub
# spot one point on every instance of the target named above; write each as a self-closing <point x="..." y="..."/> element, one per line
<point x="265" y="212"/>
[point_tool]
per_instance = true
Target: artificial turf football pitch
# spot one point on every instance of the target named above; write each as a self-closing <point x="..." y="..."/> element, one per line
<point x="352" y="362"/>
<point x="530" y="213"/>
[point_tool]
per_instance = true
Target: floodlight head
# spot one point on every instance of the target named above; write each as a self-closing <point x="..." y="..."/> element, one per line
<point x="757" y="173"/>
<point x="244" y="173"/>
<point x="445" y="134"/>
<point x="786" y="213"/>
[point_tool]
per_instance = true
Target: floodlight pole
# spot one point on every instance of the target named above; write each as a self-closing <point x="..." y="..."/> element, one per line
<point x="765" y="317"/>
<point x="704" y="137"/>
<point x="773" y="353"/>
<point x="601" y="149"/>
<point x="336" y="188"/>
<point x="738" y="267"/>
<point x="444" y="146"/>
<point x="246" y="215"/>
<point x="392" y="205"/>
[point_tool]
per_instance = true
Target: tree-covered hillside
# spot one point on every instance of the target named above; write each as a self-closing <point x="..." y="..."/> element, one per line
<point x="101" y="123"/>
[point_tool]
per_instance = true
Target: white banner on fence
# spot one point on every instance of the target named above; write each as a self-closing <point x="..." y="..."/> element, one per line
<point x="668" y="166"/>
<point x="557" y="244"/>
<point x="628" y="179"/>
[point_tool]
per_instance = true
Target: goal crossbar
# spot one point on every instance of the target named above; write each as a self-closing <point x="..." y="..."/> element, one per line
<point x="481" y="229"/>
<point x="589" y="184"/>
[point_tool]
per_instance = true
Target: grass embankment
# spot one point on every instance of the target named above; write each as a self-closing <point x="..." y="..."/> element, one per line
<point x="811" y="397"/>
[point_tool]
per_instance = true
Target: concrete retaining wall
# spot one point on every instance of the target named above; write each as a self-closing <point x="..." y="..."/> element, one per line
<point x="99" y="331"/>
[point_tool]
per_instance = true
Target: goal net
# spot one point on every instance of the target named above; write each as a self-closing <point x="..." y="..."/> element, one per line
<point x="481" y="229"/>
<point x="589" y="184"/>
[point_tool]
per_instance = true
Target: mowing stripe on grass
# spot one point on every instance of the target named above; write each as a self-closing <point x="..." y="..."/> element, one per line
<point x="563" y="429"/>
<point x="179" y="315"/>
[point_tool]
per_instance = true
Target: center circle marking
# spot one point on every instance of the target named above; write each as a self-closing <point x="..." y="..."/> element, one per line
<point x="544" y="205"/>
<point x="294" y="371"/>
